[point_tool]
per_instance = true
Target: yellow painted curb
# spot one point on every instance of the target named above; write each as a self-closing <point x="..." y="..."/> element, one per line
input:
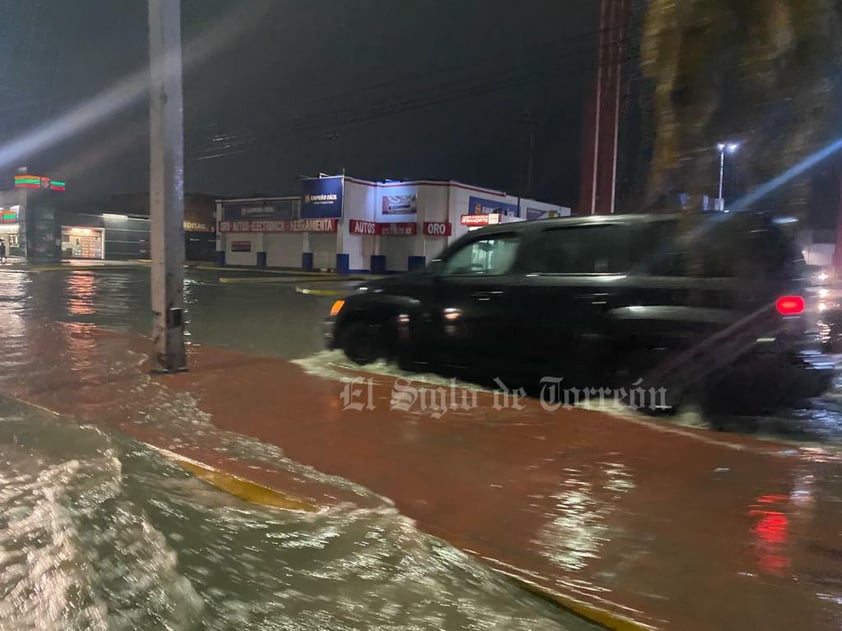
<point x="235" y="280"/>
<point x="605" y="619"/>
<point x="259" y="270"/>
<point x="320" y="292"/>
<point x="239" y="487"/>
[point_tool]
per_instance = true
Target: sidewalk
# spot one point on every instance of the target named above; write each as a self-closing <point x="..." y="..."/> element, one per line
<point x="632" y="522"/>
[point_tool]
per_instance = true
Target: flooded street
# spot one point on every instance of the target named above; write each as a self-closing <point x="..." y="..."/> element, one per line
<point x="100" y="532"/>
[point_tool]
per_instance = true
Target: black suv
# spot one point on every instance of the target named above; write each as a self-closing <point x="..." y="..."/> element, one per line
<point x="688" y="302"/>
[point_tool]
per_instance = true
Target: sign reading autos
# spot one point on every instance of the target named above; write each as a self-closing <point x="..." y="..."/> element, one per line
<point x="321" y="198"/>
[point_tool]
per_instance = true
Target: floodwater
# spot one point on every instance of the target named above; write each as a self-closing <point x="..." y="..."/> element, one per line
<point x="100" y="532"/>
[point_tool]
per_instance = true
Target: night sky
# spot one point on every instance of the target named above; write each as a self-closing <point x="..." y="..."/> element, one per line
<point x="277" y="88"/>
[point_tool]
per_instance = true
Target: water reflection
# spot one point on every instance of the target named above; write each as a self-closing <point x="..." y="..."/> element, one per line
<point x="81" y="293"/>
<point x="589" y="495"/>
<point x="770" y="534"/>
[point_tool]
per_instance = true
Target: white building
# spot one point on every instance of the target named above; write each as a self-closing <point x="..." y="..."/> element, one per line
<point x="350" y="225"/>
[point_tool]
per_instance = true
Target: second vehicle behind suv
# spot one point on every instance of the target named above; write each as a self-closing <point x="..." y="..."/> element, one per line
<point x="703" y="306"/>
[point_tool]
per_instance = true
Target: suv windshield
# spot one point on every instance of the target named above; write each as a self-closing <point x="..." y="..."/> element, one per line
<point x="483" y="257"/>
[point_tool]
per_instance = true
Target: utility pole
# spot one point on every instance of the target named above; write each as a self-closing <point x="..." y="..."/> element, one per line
<point x="166" y="196"/>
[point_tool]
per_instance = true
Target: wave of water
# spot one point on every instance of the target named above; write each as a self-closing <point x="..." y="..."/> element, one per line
<point x="98" y="532"/>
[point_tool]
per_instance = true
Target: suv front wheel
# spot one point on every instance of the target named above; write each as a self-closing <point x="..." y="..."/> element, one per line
<point x="364" y="342"/>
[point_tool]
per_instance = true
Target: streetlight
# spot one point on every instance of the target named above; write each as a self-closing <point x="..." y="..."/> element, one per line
<point x="730" y="147"/>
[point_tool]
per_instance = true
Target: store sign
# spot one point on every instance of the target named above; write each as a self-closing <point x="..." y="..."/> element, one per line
<point x="402" y="229"/>
<point x="241" y="246"/>
<point x="8" y="216"/>
<point x="480" y="206"/>
<point x="357" y="226"/>
<point x="535" y="213"/>
<point x="480" y="220"/>
<point x="322" y="197"/>
<point x="394" y="229"/>
<point x="26" y="180"/>
<point x="406" y="204"/>
<point x="198" y="226"/>
<point x="284" y="225"/>
<point x="249" y="213"/>
<point x="438" y="229"/>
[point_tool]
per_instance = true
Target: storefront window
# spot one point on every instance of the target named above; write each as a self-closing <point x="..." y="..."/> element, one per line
<point x="82" y="243"/>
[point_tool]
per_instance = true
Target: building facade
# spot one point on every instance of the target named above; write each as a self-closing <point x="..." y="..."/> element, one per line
<point x="39" y="224"/>
<point x="350" y="225"/>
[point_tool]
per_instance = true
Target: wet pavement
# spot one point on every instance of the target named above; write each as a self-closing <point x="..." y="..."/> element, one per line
<point x="652" y="521"/>
<point x="98" y="531"/>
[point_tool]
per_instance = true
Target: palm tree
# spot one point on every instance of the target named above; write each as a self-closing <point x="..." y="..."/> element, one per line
<point x="764" y="72"/>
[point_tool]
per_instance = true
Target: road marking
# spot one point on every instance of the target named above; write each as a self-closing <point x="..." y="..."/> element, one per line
<point x="320" y="292"/>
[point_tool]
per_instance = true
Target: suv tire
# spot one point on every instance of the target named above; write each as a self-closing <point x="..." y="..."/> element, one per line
<point x="363" y="342"/>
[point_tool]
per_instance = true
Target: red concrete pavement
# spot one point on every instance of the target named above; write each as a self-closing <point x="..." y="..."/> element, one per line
<point x="668" y="527"/>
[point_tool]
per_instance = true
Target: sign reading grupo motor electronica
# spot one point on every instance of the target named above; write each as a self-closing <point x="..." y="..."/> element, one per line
<point x="321" y="198"/>
<point x="281" y="225"/>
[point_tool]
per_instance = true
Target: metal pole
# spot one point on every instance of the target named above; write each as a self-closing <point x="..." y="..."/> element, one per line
<point x="166" y="194"/>
<point x="603" y="15"/>
<point x="721" y="174"/>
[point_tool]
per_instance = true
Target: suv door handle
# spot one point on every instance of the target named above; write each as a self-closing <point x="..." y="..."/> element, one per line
<point x="599" y="299"/>
<point x="486" y="295"/>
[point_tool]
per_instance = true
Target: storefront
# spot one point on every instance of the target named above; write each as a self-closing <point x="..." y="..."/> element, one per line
<point x="82" y="243"/>
<point x="349" y="225"/>
<point x="10" y="228"/>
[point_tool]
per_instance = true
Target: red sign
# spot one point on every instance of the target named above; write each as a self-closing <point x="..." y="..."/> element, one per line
<point x="402" y="229"/>
<point x="396" y="229"/>
<point x="281" y="225"/>
<point x="358" y="226"/>
<point x="480" y="220"/>
<point x="438" y="228"/>
<point x="241" y="246"/>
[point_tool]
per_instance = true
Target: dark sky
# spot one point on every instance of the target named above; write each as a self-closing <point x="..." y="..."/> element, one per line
<point x="276" y="88"/>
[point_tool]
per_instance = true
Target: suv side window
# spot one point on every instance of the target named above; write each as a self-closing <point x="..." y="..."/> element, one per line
<point x="492" y="256"/>
<point x="707" y="250"/>
<point x="590" y="249"/>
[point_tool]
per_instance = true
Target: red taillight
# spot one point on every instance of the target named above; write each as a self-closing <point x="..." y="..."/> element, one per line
<point x="790" y="305"/>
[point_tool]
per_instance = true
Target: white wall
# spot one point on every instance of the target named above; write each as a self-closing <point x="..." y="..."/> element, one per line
<point x="434" y="206"/>
<point x="323" y="247"/>
<point x="358" y="201"/>
<point x="819" y="254"/>
<point x="283" y="249"/>
<point x="241" y="258"/>
<point x="397" y="249"/>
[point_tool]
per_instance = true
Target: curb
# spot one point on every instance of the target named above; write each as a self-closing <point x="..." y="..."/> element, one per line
<point x="600" y="617"/>
<point x="237" y="486"/>
<point x="255" y="493"/>
<point x="319" y="292"/>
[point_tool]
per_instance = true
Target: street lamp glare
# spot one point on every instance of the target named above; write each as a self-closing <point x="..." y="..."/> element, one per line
<point x="732" y="147"/>
<point x="721" y="146"/>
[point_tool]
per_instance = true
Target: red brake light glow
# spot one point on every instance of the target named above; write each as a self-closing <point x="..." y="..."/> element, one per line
<point x="790" y="305"/>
